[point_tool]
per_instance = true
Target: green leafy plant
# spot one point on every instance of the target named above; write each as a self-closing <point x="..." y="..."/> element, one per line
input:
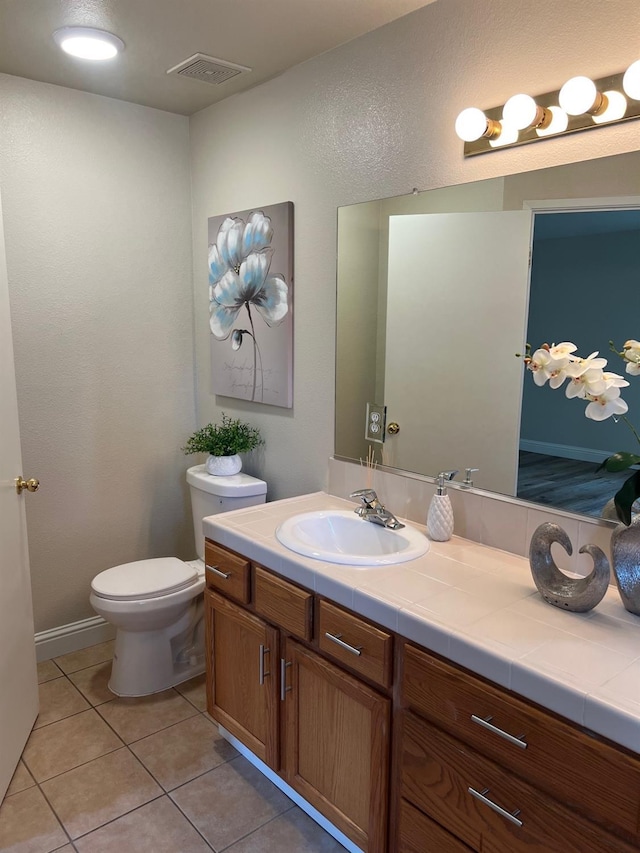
<point x="226" y="439"/>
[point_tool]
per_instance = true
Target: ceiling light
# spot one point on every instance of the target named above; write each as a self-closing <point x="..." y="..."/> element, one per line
<point x="88" y="43"/>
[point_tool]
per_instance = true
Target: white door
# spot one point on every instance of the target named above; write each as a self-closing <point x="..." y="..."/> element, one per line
<point x="456" y="315"/>
<point x="18" y="680"/>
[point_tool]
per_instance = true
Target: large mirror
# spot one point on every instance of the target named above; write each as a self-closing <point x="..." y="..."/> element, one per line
<point x="438" y="291"/>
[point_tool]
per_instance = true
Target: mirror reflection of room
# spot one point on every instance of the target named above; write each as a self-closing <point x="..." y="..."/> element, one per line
<point x="443" y="307"/>
<point x="584" y="283"/>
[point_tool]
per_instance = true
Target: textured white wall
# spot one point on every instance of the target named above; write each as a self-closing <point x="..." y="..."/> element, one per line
<point x="96" y="199"/>
<point x="370" y="119"/>
<point x="97" y="219"/>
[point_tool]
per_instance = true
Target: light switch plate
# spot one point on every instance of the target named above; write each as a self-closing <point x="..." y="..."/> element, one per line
<point x="376" y="423"/>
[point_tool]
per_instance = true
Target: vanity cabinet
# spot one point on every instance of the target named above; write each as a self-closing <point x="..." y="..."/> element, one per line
<point x="242" y="691"/>
<point x="503" y="775"/>
<point x="310" y="687"/>
<point x="337" y="745"/>
<point x="271" y="684"/>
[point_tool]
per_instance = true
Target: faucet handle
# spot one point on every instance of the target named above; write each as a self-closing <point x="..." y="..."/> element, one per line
<point x="448" y="475"/>
<point x="367" y="496"/>
<point x="467" y="476"/>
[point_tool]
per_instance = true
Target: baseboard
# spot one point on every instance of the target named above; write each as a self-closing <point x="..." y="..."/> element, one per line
<point x="564" y="451"/>
<point x="72" y="637"/>
<point x="313" y="813"/>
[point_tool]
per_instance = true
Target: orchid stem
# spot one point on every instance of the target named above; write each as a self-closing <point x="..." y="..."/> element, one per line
<point x="631" y="427"/>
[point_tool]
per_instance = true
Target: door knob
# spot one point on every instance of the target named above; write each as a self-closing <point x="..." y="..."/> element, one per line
<point x="31" y="485"/>
<point x="393" y="428"/>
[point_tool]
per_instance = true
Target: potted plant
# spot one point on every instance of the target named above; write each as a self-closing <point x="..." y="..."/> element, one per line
<point x="223" y="442"/>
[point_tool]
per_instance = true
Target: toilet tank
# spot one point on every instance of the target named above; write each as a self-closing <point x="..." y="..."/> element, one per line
<point x="211" y="495"/>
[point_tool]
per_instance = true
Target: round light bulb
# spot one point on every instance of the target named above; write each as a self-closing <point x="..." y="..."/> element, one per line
<point x="616" y="108"/>
<point x="88" y="43"/>
<point x="631" y="81"/>
<point x="508" y="136"/>
<point x="521" y="111"/>
<point x="558" y="124"/>
<point x="471" y="124"/>
<point x="578" y="95"/>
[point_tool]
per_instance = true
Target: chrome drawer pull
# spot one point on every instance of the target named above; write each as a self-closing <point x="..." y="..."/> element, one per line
<point x="217" y="571"/>
<point x="517" y="740"/>
<point x="337" y="638"/>
<point x="261" y="673"/>
<point x="480" y="795"/>
<point x="284" y="665"/>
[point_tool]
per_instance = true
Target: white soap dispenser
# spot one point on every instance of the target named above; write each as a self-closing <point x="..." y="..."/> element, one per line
<point x="440" y="515"/>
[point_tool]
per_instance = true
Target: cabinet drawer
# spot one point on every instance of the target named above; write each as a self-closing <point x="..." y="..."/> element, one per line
<point x="227" y="572"/>
<point x="356" y="643"/>
<point x="417" y="833"/>
<point x="282" y="603"/>
<point x="486" y="806"/>
<point x="552" y="754"/>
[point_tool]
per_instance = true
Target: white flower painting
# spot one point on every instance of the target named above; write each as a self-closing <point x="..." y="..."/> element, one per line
<point x="250" y="304"/>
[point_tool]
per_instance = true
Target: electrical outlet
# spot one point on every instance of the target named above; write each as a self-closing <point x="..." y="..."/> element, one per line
<point x="376" y="423"/>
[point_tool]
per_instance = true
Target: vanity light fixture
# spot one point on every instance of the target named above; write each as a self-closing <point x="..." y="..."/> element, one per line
<point x="88" y="43"/>
<point x="580" y="104"/>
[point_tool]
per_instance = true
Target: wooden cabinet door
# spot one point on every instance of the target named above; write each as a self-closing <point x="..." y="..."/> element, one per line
<point x="337" y="745"/>
<point x="242" y="687"/>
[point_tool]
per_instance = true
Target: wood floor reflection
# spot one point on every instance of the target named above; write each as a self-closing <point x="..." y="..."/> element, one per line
<point x="566" y="483"/>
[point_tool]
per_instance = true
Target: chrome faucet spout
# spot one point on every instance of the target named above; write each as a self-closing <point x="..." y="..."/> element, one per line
<point x="374" y="511"/>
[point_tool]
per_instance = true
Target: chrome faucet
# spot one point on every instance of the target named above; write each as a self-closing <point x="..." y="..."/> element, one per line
<point x="372" y="510"/>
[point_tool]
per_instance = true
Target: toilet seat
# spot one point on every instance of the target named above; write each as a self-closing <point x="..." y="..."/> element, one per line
<point x="144" y="579"/>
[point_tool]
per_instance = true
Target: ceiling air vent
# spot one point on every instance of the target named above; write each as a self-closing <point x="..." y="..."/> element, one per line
<point x="207" y="68"/>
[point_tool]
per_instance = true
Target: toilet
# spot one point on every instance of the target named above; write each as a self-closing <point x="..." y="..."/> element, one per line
<point x="157" y="605"/>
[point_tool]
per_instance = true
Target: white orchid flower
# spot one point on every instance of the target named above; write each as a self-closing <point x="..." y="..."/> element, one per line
<point x="606" y="404"/>
<point x="578" y="366"/>
<point x="562" y="350"/>
<point x="549" y="365"/>
<point x="631" y="351"/>
<point x="591" y="382"/>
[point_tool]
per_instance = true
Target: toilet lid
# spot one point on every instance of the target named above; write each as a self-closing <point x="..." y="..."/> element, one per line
<point x="144" y="579"/>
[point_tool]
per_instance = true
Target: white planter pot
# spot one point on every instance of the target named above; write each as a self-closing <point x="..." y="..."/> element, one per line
<point x="223" y="466"/>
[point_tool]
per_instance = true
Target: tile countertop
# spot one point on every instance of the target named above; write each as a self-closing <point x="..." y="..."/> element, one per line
<point x="476" y="606"/>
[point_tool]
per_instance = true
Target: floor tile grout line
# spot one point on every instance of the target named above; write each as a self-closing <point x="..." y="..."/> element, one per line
<point x="200" y="775"/>
<point x="191" y="823"/>
<point x="117" y="817"/>
<point x="83" y="763"/>
<point x="258" y="828"/>
<point x="137" y="740"/>
<point x="55" y="814"/>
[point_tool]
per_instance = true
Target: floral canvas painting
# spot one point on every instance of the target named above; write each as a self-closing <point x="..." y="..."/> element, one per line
<point x="251" y="304"/>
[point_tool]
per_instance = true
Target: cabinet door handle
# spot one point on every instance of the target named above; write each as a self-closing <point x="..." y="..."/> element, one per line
<point x="337" y="638"/>
<point x="261" y="672"/>
<point x="284" y="665"/>
<point x="481" y="795"/>
<point x="219" y="572"/>
<point x="485" y="722"/>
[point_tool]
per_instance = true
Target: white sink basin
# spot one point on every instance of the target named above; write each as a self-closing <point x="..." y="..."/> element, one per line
<point x="337" y="536"/>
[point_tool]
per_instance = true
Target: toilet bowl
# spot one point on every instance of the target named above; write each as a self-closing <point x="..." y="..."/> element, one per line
<point x="156" y="605"/>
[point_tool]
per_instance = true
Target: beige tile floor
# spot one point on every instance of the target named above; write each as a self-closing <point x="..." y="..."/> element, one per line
<point x="101" y="774"/>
